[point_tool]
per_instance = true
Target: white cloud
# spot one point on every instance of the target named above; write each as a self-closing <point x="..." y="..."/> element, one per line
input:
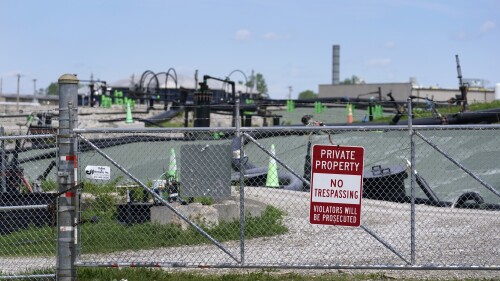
<point x="271" y="36"/>
<point x="379" y="62"/>
<point x="242" y="35"/>
<point x="471" y="35"/>
<point x="487" y="26"/>
<point x="390" y="44"/>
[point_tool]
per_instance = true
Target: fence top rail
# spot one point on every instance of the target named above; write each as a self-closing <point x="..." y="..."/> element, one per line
<point x="320" y="128"/>
<point x="16" y="137"/>
<point x="243" y="129"/>
<point x="289" y="128"/>
<point x="374" y="127"/>
<point x="458" y="127"/>
<point x="153" y="130"/>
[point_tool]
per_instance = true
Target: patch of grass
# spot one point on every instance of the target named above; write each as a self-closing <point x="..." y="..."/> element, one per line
<point x="204" y="200"/>
<point x="49" y="185"/>
<point x="270" y="223"/>
<point x="112" y="236"/>
<point x="157" y="274"/>
<point x="33" y="241"/>
<point x="107" y="235"/>
<point x="484" y="106"/>
<point x="132" y="274"/>
<point x="453" y="109"/>
<point x="420" y="112"/>
<point x="100" y="188"/>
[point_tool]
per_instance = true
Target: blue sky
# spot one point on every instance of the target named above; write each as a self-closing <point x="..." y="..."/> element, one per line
<point x="289" y="42"/>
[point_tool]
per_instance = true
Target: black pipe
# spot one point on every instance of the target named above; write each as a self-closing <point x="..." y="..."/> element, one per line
<point x="307" y="167"/>
<point x="399" y="114"/>
<point x="370" y="111"/>
<point x="202" y="101"/>
<point x="434" y="200"/>
<point x="47" y="171"/>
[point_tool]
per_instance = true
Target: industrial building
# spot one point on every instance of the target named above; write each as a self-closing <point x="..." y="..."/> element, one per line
<point x="400" y="91"/>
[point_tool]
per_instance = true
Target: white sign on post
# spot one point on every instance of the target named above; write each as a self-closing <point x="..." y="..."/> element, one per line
<point x="98" y="172"/>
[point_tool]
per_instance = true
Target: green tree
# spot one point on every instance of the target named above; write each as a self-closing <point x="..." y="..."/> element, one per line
<point x="307" y="94"/>
<point x="53" y="89"/>
<point x="258" y="82"/>
<point x="251" y="81"/>
<point x="352" y="81"/>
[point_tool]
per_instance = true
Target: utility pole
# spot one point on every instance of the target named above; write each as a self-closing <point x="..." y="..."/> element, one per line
<point x="17" y="99"/>
<point x="92" y="89"/>
<point x="34" y="90"/>
<point x="196" y="79"/>
<point x="289" y="92"/>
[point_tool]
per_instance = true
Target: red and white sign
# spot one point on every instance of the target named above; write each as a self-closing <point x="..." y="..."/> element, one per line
<point x="336" y="185"/>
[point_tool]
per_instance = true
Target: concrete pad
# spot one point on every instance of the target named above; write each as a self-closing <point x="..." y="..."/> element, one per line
<point x="208" y="216"/>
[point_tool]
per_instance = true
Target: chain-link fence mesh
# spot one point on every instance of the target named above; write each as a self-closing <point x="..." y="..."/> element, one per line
<point x="28" y="205"/>
<point x="465" y="229"/>
<point x="149" y="175"/>
<point x="318" y="245"/>
<point x="173" y="197"/>
<point x="218" y="197"/>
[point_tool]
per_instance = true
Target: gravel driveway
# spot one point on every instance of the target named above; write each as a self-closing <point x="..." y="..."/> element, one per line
<point x="444" y="236"/>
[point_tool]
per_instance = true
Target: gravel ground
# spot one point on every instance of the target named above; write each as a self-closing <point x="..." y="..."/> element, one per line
<point x="444" y="237"/>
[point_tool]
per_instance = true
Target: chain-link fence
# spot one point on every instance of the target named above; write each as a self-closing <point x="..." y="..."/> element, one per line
<point x="28" y="205"/>
<point x="217" y="197"/>
<point x="222" y="197"/>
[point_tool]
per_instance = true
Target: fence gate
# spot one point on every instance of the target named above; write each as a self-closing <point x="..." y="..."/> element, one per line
<point x="175" y="198"/>
<point x="444" y="215"/>
<point x="384" y="235"/>
<point x="157" y="198"/>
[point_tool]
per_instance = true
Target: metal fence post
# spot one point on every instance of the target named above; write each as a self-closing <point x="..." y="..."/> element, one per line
<point x="66" y="174"/>
<point x="3" y="161"/>
<point x="241" y="168"/>
<point x="412" y="183"/>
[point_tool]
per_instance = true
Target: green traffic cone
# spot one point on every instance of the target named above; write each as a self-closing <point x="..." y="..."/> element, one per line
<point x="272" y="172"/>
<point x="172" y="166"/>
<point x="129" y="119"/>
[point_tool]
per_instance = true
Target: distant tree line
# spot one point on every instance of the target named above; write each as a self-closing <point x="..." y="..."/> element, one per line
<point x="52" y="89"/>
<point x="308" y="94"/>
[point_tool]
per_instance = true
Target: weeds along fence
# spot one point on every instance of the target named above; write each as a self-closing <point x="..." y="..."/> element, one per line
<point x="223" y="197"/>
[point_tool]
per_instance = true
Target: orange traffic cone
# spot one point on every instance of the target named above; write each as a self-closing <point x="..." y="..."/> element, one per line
<point x="350" y="118"/>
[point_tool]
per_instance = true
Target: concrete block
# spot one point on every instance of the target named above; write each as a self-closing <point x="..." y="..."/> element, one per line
<point x="208" y="216"/>
<point x="196" y="212"/>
